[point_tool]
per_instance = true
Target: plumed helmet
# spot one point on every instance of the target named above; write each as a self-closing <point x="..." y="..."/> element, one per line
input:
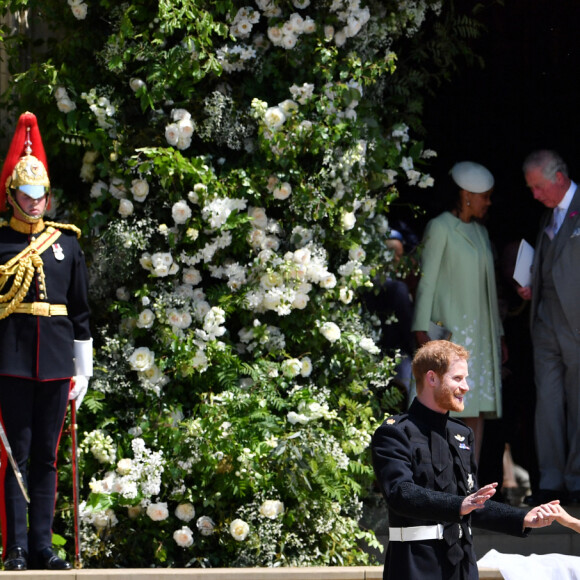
<point x="25" y="167"/>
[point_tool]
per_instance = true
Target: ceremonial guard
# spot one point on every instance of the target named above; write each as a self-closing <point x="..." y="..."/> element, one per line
<point x="45" y="350"/>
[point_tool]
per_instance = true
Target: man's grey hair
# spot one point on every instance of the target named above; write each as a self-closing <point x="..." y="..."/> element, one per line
<point x="548" y="161"/>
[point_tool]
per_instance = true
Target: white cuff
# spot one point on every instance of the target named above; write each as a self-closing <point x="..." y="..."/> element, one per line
<point x="83" y="350"/>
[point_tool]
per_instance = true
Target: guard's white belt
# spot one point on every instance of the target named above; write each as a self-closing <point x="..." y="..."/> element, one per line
<point x="416" y="533"/>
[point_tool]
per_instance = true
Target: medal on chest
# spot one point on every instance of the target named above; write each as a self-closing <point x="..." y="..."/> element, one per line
<point x="58" y="253"/>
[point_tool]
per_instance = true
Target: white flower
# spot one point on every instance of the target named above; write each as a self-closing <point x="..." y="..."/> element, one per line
<point x="104" y="519"/>
<point x="142" y="359"/>
<point x="136" y="84"/>
<point x="158" y="511"/>
<point x="274" y="117"/>
<point x="306" y="369"/>
<point x="185" y="512"/>
<point x="191" y="276"/>
<point x="345" y="295"/>
<point x="205" y="525"/>
<point x="146" y="319"/>
<point x="283" y="191"/>
<point x="139" y="189"/>
<point x="271" y="508"/>
<point x="239" y="530"/>
<point x="124" y="466"/>
<point x="98" y="189"/>
<point x="348" y="220"/>
<point x="291" y="367"/>
<point x="183" y="537"/>
<point x="259" y="217"/>
<point x="172" y="134"/>
<point x="79" y="10"/>
<point x="125" y="208"/>
<point x="330" y="331"/>
<point x="369" y="345"/>
<point x="181" y="212"/>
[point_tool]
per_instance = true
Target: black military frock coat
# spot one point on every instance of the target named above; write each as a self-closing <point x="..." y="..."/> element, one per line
<point x="425" y="466"/>
<point x="42" y="347"/>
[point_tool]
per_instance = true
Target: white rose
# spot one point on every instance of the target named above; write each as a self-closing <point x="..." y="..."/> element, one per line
<point x="306" y="369"/>
<point x="191" y="276"/>
<point x="136" y="84"/>
<point x="239" y="530"/>
<point x="139" y="189"/>
<point x="146" y="319"/>
<point x="158" y="511"/>
<point x="98" y="189"/>
<point x="283" y="191"/>
<point x="205" y="525"/>
<point x="274" y="117"/>
<point x="291" y="367"/>
<point x="125" y="208"/>
<point x="185" y="512"/>
<point x="172" y="134"/>
<point x="259" y="217"/>
<point x="183" y="537"/>
<point x="348" y="220"/>
<point x="124" y="466"/>
<point x="330" y="331"/>
<point x="271" y="508"/>
<point x="79" y="11"/>
<point x="142" y="359"/>
<point x="180" y="212"/>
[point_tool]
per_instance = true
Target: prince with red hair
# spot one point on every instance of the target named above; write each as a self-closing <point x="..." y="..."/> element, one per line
<point x="45" y="350"/>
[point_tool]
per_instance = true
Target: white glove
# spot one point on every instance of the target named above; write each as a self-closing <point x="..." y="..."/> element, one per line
<point x="80" y="384"/>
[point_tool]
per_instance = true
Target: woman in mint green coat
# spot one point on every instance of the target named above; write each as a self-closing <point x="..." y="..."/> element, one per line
<point x="458" y="289"/>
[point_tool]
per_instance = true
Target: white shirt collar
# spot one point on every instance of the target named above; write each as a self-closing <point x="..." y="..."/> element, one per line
<point x="567" y="199"/>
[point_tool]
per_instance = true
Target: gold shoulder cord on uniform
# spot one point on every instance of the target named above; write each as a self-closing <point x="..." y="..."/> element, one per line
<point x="71" y="227"/>
<point x="22" y="267"/>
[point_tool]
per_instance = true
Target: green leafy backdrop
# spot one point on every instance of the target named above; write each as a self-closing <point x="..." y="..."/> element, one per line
<point x="232" y="165"/>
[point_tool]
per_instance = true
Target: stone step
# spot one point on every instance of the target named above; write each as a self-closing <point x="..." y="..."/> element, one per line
<point x="311" y="573"/>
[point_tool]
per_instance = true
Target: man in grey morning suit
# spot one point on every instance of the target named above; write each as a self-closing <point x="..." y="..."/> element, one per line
<point x="555" y="327"/>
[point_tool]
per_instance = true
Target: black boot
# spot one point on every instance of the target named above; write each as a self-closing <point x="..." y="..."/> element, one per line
<point x="16" y="559"/>
<point x="47" y="560"/>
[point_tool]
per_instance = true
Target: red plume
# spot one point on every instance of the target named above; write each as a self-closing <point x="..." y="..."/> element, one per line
<point x="26" y="129"/>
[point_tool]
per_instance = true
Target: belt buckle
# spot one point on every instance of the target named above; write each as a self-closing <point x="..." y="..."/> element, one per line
<point x="41" y="309"/>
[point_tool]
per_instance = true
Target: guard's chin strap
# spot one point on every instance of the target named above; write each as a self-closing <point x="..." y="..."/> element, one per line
<point x="28" y="218"/>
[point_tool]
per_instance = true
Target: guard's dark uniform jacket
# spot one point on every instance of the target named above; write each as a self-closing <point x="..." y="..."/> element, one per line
<point x="37" y="336"/>
<point x="424" y="463"/>
<point x="41" y="347"/>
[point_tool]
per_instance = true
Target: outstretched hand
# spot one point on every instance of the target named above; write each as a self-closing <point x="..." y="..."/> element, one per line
<point x="477" y="500"/>
<point x="542" y="515"/>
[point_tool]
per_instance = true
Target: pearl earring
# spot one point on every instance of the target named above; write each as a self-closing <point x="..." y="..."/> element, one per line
<point x="468" y="203"/>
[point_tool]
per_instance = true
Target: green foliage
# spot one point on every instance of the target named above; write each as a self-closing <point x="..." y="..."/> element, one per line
<point x="232" y="168"/>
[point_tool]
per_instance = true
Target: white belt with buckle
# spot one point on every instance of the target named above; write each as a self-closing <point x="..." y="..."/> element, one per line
<point x="416" y="533"/>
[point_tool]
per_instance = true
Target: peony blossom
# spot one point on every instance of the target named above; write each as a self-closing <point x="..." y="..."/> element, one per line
<point x="239" y="530"/>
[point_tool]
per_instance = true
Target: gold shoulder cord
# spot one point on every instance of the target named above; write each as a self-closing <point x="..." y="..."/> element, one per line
<point x="22" y="267"/>
<point x="71" y="227"/>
